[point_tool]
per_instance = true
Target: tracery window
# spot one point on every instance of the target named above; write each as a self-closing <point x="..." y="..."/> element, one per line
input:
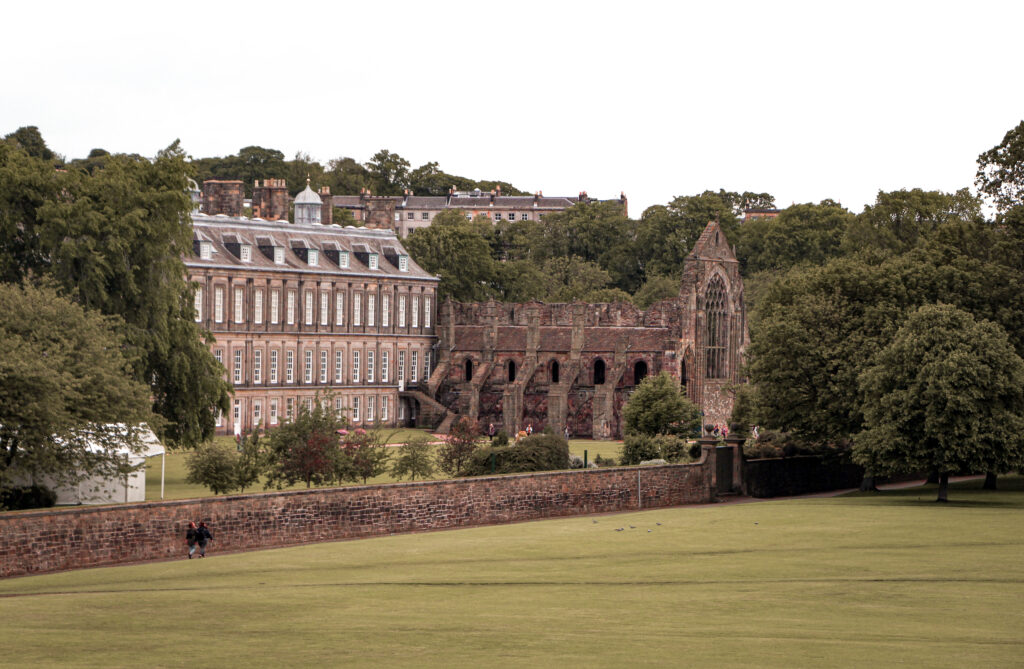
<point x="716" y="330"/>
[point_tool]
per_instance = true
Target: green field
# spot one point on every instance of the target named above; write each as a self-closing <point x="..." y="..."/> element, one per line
<point x="175" y="472"/>
<point x="882" y="580"/>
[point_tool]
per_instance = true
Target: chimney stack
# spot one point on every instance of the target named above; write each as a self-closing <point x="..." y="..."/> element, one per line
<point x="270" y="199"/>
<point x="222" y="197"/>
<point x="327" y="206"/>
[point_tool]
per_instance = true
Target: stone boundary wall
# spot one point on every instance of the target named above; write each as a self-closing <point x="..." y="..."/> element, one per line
<point x="55" y="540"/>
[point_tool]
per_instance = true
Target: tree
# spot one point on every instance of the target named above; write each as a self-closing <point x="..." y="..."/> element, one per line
<point x="459" y="444"/>
<point x="213" y="465"/>
<point x="802" y="233"/>
<point x="30" y="140"/>
<point x="346" y="176"/>
<point x="899" y="220"/>
<point x="1001" y="170"/>
<point x="658" y="407"/>
<point x="415" y="459"/>
<point x="366" y="455"/>
<point x="389" y="173"/>
<point x="666" y="234"/>
<point x="457" y="251"/>
<point x="655" y="289"/>
<point x="113" y="240"/>
<point x="946" y="395"/>
<point x="306" y="449"/>
<point x="65" y="386"/>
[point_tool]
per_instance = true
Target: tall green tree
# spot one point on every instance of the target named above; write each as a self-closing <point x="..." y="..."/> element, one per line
<point x="658" y="406"/>
<point x="306" y="449"/>
<point x="946" y="395"/>
<point x="415" y="459"/>
<point x="900" y="220"/>
<point x="388" y="172"/>
<point x="1000" y="174"/>
<point x="802" y="233"/>
<point x="30" y="140"/>
<point x="457" y="251"/>
<point x="65" y="385"/>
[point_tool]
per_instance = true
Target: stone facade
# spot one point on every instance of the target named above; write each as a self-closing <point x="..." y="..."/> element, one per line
<point x="298" y="310"/>
<point x="576" y="364"/>
<point x="223" y="197"/>
<point x="49" y="541"/>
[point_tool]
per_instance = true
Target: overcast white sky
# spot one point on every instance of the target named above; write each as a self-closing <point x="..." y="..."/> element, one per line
<point x="657" y="99"/>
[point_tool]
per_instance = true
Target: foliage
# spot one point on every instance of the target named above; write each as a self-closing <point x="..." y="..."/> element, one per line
<point x="536" y="453"/>
<point x="900" y="220"/>
<point x="459" y="444"/>
<point x="802" y="233"/>
<point x="658" y="407"/>
<point x="638" y="447"/>
<point x="213" y="465"/>
<point x="655" y="289"/>
<point x="389" y="173"/>
<point x="1001" y="170"/>
<point x="306" y="449"/>
<point x="113" y="241"/>
<point x="30" y="140"/>
<point x="946" y="395"/>
<point x="364" y="455"/>
<point x="415" y="459"/>
<point x="30" y="497"/>
<point x="457" y="251"/>
<point x="604" y="462"/>
<point x="65" y="388"/>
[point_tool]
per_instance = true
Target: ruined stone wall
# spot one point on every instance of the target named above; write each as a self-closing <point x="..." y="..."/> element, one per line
<point x="89" y="537"/>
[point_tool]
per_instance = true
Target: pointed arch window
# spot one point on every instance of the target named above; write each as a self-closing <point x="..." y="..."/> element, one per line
<point x="554" y="371"/>
<point x="511" y="371"/>
<point x="469" y="369"/>
<point x="639" y="372"/>
<point x="716" y="330"/>
<point x="598" y="372"/>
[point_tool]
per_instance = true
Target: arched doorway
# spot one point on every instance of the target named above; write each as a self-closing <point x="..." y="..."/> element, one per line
<point x="554" y="371"/>
<point x="469" y="369"/>
<point x="598" y="372"/>
<point x="639" y="372"/>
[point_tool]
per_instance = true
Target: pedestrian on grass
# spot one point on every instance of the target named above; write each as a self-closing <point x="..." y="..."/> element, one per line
<point x="203" y="538"/>
<point x="490" y="430"/>
<point x="191" y="538"/>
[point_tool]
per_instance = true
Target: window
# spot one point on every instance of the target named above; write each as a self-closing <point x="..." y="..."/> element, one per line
<point x="413" y="373"/>
<point x="257" y="306"/>
<point x="205" y="250"/>
<point x="343" y="259"/>
<point x="289" y="366"/>
<point x="307" y="403"/>
<point x="401" y="311"/>
<point x="257" y="412"/>
<point x="307" y="370"/>
<point x="236" y="413"/>
<point x="369" y="366"/>
<point x="273" y="412"/>
<point x="325" y="308"/>
<point x="308" y="312"/>
<point x="373" y="261"/>
<point x="279" y="255"/>
<point x="257" y="366"/>
<point x="218" y="305"/>
<point x="289" y="411"/>
<point x="468" y="369"/>
<point x="401" y="410"/>
<point x="370" y="401"/>
<point x="426" y="365"/>
<point x="239" y="300"/>
<point x="371" y="309"/>
<point x="401" y="366"/>
<point x="599" y="372"/>
<point x="275" y="306"/>
<point x="273" y="366"/>
<point x="415" y="311"/>
<point x="411" y="215"/>
<point x="237" y="377"/>
<point x="384" y="366"/>
<point x="220" y="418"/>
<point x="716" y="329"/>
<point x="339" y="366"/>
<point x="198" y="304"/>
<point x="291" y="307"/>
<point x="339" y="410"/>
<point x="383" y="408"/>
<point x="385" y="310"/>
<point x="403" y="263"/>
<point x="323" y="366"/>
<point x="339" y="308"/>
<point x="219" y="355"/>
<point x="355" y="409"/>
<point x="246" y="253"/>
<point x="426" y="312"/>
<point x="357" y="309"/>
<point x="355" y="366"/>
<point x="524" y="217"/>
<point x="313" y="258"/>
<point x="425" y="216"/>
<point x="497" y="215"/>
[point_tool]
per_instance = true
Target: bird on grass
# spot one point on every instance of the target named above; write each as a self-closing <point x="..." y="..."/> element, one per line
<point x="619" y="529"/>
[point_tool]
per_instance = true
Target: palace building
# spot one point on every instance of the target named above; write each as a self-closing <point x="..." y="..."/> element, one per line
<point x="307" y="308"/>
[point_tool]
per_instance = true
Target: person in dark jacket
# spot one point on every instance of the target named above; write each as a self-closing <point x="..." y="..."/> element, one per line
<point x="191" y="538"/>
<point x="203" y="537"/>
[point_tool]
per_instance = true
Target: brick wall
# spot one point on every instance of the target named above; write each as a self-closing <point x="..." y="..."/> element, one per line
<point x="48" y="541"/>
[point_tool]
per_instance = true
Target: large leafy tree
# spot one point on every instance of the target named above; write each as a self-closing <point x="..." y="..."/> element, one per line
<point x="1001" y="170"/>
<point x="946" y="395"/>
<point x="30" y="140"/>
<point x="657" y="406"/>
<point x="415" y="459"/>
<point x="113" y="241"/>
<point x="802" y="233"/>
<point x="388" y="172"/>
<point x="457" y="251"/>
<point x="459" y="445"/>
<point x="900" y="220"/>
<point x="65" y="385"/>
<point x="306" y="449"/>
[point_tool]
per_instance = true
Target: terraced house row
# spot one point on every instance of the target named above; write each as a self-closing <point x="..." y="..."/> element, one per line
<point x="304" y="308"/>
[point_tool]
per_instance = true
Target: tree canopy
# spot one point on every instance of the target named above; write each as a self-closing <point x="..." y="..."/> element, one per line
<point x="1001" y="170"/>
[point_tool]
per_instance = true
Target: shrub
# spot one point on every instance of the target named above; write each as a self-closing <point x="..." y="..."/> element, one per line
<point x="575" y="461"/>
<point x="500" y="439"/>
<point x="536" y="453"/>
<point x="415" y="458"/>
<point x="639" y="447"/>
<point x="459" y="445"/>
<point x="30" y="497"/>
<point x="604" y="462"/>
<point x="213" y="465"/>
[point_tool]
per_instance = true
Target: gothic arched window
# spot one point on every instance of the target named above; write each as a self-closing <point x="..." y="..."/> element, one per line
<point x="554" y="371"/>
<point x="716" y="330"/>
<point x="511" y="371"/>
<point x="469" y="369"/>
<point x="639" y="372"/>
<point x="598" y="372"/>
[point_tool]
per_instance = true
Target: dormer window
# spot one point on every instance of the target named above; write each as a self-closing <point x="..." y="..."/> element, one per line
<point x="373" y="261"/>
<point x="314" y="257"/>
<point x="205" y="250"/>
<point x="343" y="259"/>
<point x="403" y="263"/>
<point x="245" y="252"/>
<point x="279" y="255"/>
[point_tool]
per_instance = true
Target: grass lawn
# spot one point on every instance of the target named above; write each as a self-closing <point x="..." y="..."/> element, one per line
<point x="880" y="580"/>
<point x="175" y="486"/>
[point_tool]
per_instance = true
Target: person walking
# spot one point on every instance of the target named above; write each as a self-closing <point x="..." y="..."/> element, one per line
<point x="203" y="538"/>
<point x="191" y="538"/>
